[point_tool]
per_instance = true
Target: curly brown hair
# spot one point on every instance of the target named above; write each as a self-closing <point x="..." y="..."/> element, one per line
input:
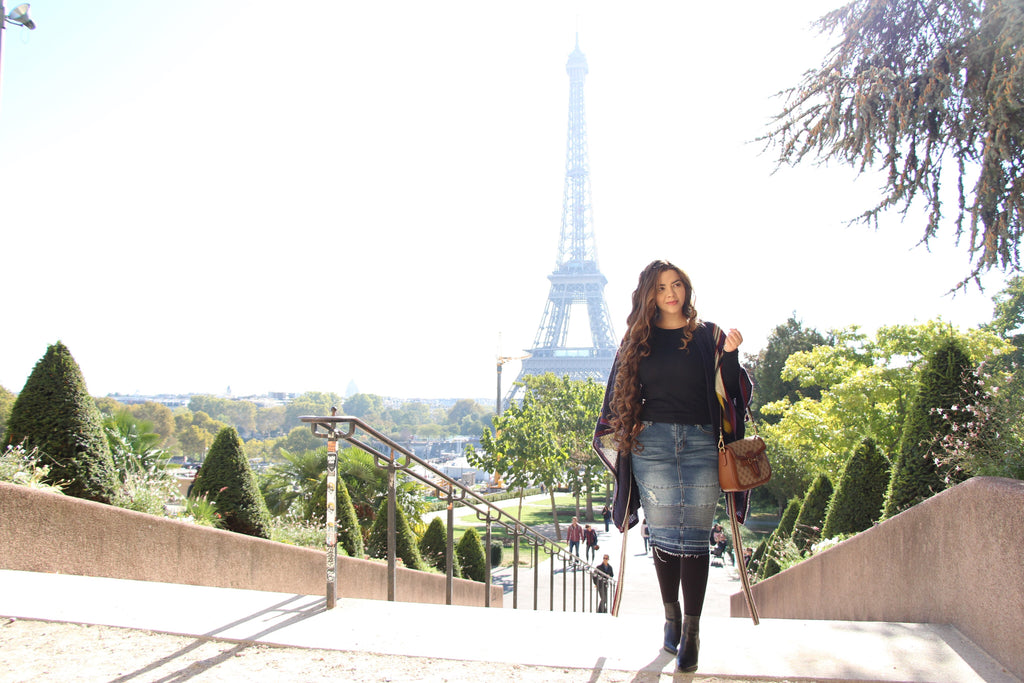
<point x="626" y="404"/>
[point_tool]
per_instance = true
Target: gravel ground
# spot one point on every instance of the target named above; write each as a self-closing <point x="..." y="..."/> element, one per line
<point x="34" y="651"/>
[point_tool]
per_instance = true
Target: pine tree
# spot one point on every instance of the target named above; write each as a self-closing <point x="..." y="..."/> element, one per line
<point x="434" y="548"/>
<point x="226" y="479"/>
<point x="857" y="502"/>
<point x="946" y="385"/>
<point x="405" y="540"/>
<point x="55" y="414"/>
<point x="930" y="92"/>
<point x="470" y="552"/>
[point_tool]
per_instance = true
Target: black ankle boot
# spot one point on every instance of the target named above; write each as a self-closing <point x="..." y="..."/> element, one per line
<point x="689" y="646"/>
<point x="673" y="627"/>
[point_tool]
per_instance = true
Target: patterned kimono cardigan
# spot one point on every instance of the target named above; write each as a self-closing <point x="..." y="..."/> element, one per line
<point x="728" y="407"/>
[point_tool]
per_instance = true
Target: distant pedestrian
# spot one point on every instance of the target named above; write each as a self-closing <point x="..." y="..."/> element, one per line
<point x="645" y="533"/>
<point x="601" y="580"/>
<point x="607" y="514"/>
<point x="574" y="534"/>
<point x="590" y="536"/>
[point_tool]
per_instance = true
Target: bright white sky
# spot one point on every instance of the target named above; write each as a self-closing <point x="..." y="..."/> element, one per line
<point x="290" y="197"/>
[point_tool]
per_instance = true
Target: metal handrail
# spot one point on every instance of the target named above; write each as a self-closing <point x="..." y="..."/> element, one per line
<point x="397" y="458"/>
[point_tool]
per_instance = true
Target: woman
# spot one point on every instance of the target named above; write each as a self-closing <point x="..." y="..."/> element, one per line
<point x="675" y="386"/>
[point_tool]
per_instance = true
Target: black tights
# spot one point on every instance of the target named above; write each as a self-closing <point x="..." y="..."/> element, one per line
<point x="689" y="572"/>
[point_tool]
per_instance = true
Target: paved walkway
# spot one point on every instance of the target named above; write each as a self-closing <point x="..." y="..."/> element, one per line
<point x="582" y="644"/>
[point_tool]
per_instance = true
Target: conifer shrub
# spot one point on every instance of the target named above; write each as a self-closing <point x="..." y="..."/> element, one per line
<point x="807" y="528"/>
<point x="350" y="534"/>
<point x="757" y="557"/>
<point x="226" y="479"/>
<point x="857" y="501"/>
<point x="776" y="543"/>
<point x="946" y="386"/>
<point x="496" y="553"/>
<point x="55" y="417"/>
<point x="788" y="519"/>
<point x="470" y="552"/>
<point x="434" y="548"/>
<point x="406" y="546"/>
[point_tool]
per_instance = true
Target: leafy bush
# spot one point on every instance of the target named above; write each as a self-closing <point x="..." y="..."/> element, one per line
<point x="434" y="547"/>
<point x="19" y="467"/>
<point x="946" y="385"/>
<point x="496" y="553"/>
<point x="405" y="541"/>
<point x="470" y="552"/>
<point x="226" y="478"/>
<point x="203" y="511"/>
<point x="807" y="527"/>
<point x="55" y="415"/>
<point x="857" y="501"/>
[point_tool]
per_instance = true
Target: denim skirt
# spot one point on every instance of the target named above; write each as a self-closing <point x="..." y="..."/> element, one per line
<point x="676" y="470"/>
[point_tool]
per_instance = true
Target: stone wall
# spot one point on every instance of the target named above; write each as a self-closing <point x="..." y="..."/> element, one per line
<point x="952" y="559"/>
<point x="42" y="531"/>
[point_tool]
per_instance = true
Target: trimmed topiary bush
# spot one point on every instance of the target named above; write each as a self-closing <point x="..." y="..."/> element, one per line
<point x="405" y="541"/>
<point x="947" y="384"/>
<point x="807" y="528"/>
<point x="857" y="501"/>
<point x="226" y="479"/>
<point x="776" y="543"/>
<point x="496" y="553"/>
<point x="470" y="552"/>
<point x="55" y="415"/>
<point x="434" y="546"/>
<point x="350" y="534"/>
<point x="788" y="519"/>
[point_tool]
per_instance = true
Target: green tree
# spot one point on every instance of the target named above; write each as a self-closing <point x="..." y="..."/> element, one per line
<point x="310" y="403"/>
<point x="929" y="92"/>
<point x="867" y="386"/>
<point x="367" y="407"/>
<point x="857" y="501"/>
<point x="227" y="479"/>
<point x="270" y="421"/>
<point x="55" y="414"/>
<point x="406" y="546"/>
<point x="785" y="340"/>
<point x="808" y="524"/>
<point x="434" y="548"/>
<point x="6" y="403"/>
<point x="159" y="417"/>
<point x="947" y="383"/>
<point x="524" y="451"/>
<point x="470" y="552"/>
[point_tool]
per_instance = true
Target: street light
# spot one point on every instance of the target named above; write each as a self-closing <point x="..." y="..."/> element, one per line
<point x="18" y="17"/>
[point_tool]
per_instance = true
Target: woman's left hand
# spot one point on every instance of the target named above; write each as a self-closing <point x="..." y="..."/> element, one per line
<point x="733" y="340"/>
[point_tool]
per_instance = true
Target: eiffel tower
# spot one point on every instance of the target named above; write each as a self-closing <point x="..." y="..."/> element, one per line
<point x="576" y="278"/>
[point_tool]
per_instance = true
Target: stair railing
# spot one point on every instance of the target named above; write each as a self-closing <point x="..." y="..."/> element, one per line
<point x="395" y="458"/>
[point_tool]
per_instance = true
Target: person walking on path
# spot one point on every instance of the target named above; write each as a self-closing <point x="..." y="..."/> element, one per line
<point x="574" y="534"/>
<point x="606" y="512"/>
<point x="645" y="533"/>
<point x="601" y="580"/>
<point x="675" y="387"/>
<point x="590" y="536"/>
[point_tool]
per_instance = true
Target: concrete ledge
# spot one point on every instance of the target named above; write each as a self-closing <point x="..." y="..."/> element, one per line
<point x="42" y="531"/>
<point x="952" y="559"/>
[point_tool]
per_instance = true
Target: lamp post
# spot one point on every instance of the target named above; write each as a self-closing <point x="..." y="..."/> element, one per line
<point x="18" y="17"/>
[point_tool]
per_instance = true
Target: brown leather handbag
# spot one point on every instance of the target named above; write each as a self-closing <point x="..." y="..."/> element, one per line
<point x="743" y="464"/>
